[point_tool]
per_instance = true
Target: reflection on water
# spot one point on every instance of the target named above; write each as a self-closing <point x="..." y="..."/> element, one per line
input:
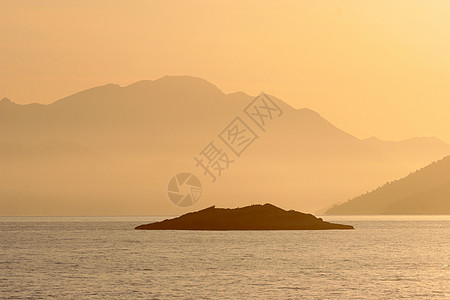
<point x="103" y="257"/>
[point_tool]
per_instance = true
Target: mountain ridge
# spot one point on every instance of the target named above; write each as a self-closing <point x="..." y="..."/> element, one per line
<point x="392" y="197"/>
<point x="305" y="161"/>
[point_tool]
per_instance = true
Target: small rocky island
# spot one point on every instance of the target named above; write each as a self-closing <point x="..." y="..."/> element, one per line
<point x="254" y="217"/>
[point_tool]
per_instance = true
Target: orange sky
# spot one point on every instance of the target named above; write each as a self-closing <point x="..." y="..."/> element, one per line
<point x="370" y="67"/>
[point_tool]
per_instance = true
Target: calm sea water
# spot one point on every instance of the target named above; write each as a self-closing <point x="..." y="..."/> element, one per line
<point x="104" y="258"/>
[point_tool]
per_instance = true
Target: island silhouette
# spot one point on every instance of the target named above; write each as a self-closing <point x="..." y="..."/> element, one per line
<point x="253" y="217"/>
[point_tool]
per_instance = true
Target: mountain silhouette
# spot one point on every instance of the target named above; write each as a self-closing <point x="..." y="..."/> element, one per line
<point x="426" y="191"/>
<point x="414" y="152"/>
<point x="113" y="150"/>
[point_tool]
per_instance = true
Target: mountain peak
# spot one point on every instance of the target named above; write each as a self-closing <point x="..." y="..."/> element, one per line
<point x="309" y="112"/>
<point x="187" y="84"/>
<point x="372" y="139"/>
<point x="239" y="93"/>
<point x="6" y="101"/>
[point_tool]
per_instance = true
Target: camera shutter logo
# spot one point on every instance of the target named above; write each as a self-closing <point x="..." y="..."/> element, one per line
<point x="184" y="189"/>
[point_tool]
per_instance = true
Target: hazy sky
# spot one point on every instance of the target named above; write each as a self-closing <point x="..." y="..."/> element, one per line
<point x="370" y="67"/>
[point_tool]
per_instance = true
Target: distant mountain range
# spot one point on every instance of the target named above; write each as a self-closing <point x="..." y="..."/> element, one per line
<point x="426" y="191"/>
<point x="113" y="150"/>
<point x="412" y="152"/>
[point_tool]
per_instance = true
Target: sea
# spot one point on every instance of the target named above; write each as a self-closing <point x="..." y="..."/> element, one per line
<point x="385" y="257"/>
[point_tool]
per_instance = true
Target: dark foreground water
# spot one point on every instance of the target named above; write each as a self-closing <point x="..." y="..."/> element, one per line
<point x="104" y="258"/>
